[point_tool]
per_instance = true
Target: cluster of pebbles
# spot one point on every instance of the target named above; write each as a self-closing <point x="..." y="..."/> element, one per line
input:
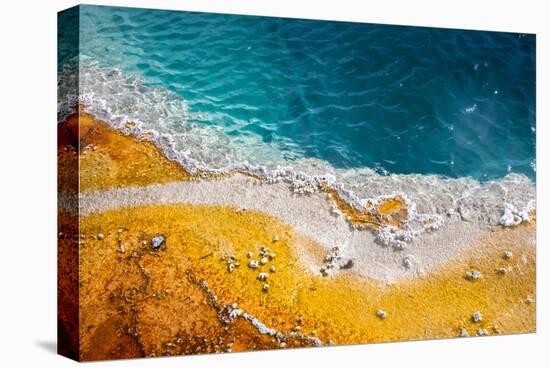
<point x="330" y="261"/>
<point x="265" y="258"/>
<point x="334" y="260"/>
<point x="89" y="147"/>
<point x="83" y="150"/>
<point x="474" y="275"/>
<point x="476" y="318"/>
<point x="70" y="149"/>
<point x="232" y="262"/>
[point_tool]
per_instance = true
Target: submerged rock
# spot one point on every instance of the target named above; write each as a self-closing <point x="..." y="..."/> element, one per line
<point x="157" y="242"/>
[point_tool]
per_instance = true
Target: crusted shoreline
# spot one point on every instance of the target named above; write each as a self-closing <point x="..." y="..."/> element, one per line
<point x="334" y="279"/>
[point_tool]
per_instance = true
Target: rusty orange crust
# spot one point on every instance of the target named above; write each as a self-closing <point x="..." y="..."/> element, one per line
<point x="108" y="158"/>
<point x="146" y="299"/>
<point x="391" y="211"/>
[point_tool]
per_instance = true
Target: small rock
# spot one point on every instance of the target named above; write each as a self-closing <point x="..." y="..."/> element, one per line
<point x="399" y="245"/>
<point x="473" y="275"/>
<point x="381" y="314"/>
<point x="262" y="276"/>
<point x="272" y="256"/>
<point x="263" y="260"/>
<point x="253" y="264"/>
<point x="496" y="329"/>
<point x="265" y="287"/>
<point x="408" y="262"/>
<point x="482" y="332"/>
<point x="464" y="333"/>
<point x="464" y="214"/>
<point x="476" y="316"/>
<point x="230" y="267"/>
<point x="272" y="269"/>
<point x="100" y="236"/>
<point x="282" y="345"/>
<point x="249" y="254"/>
<point x="335" y="212"/>
<point x="347" y="265"/>
<point x="157" y="242"/>
<point x="324" y="271"/>
<point x="508" y="254"/>
<point x="121" y="249"/>
<point x="275" y="238"/>
<point x="505" y="270"/>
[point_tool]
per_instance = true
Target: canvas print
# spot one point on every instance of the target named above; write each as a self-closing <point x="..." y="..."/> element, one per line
<point x="233" y="183"/>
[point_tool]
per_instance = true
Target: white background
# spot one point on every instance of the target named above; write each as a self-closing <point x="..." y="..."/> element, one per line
<point x="28" y="181"/>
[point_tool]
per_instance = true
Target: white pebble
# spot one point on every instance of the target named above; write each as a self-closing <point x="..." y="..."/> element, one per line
<point x="263" y="261"/>
<point x="265" y="287"/>
<point x="381" y="314"/>
<point x="100" y="236"/>
<point x="473" y="275"/>
<point x="253" y="264"/>
<point x="476" y="316"/>
<point x="482" y="332"/>
<point x="262" y="276"/>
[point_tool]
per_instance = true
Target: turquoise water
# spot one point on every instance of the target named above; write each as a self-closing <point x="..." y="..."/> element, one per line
<point x="394" y="99"/>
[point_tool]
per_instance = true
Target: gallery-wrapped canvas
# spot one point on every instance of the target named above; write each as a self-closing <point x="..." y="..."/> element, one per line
<point x="233" y="183"/>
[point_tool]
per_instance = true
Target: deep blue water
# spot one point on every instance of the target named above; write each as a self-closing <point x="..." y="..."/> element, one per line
<point x="398" y="99"/>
